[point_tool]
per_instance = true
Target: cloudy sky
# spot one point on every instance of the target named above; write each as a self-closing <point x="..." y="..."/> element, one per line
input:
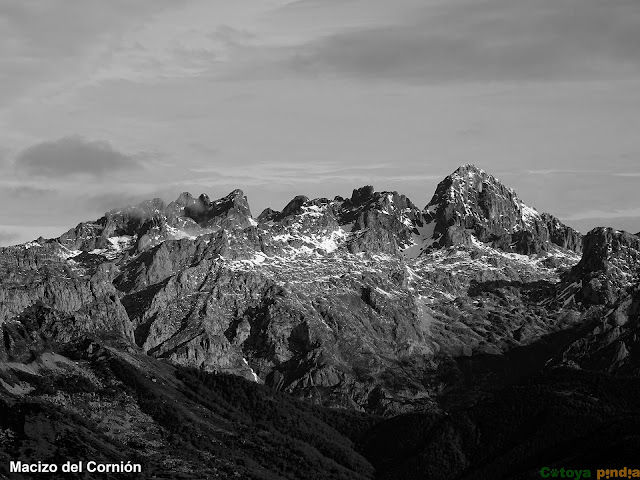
<point x="105" y="103"/>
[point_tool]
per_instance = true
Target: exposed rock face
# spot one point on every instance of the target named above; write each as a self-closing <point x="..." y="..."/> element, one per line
<point x="229" y="212"/>
<point x="611" y="344"/>
<point x="382" y="221"/>
<point x="364" y="302"/>
<point x="470" y="200"/>
<point x="607" y="282"/>
<point x="562" y="235"/>
<point x="345" y="301"/>
<point x="152" y="222"/>
<point x="267" y="215"/>
<point x="294" y="207"/>
<point x="45" y="299"/>
<point x="609" y="265"/>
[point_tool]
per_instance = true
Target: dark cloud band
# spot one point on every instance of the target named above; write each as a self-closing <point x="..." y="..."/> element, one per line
<point x="489" y="40"/>
<point x="70" y="156"/>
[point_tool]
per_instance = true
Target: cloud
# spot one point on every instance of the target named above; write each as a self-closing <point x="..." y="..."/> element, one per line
<point x="4" y="155"/>
<point x="555" y="171"/>
<point x="45" y="42"/>
<point x="490" y="40"/>
<point x="71" y="156"/>
<point x="28" y="192"/>
<point x="104" y="202"/>
<point x="633" y="212"/>
<point x="627" y="174"/>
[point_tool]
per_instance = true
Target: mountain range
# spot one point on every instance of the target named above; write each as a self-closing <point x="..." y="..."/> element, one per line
<point x="363" y="336"/>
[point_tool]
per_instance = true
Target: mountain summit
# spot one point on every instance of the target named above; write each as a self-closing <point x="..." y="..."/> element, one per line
<point x="471" y="203"/>
<point x="301" y="298"/>
<point x="468" y="206"/>
<point x="366" y="303"/>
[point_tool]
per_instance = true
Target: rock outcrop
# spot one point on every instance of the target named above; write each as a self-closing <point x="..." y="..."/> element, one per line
<point x="346" y="301"/>
<point x="151" y="222"/>
<point x="606" y="282"/>
<point x="229" y="212"/>
<point x="470" y="202"/>
<point x="610" y="265"/>
<point x="365" y="303"/>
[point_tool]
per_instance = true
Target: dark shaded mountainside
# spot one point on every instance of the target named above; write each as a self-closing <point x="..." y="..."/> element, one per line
<point x="207" y="343"/>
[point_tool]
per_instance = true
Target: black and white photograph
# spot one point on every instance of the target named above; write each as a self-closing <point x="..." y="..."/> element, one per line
<point x="319" y="239"/>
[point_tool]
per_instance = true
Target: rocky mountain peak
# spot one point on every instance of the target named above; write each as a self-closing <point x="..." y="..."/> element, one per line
<point x="610" y="264"/>
<point x="361" y="195"/>
<point x="469" y="203"/>
<point x="184" y="199"/>
<point x="468" y="169"/>
<point x="604" y="245"/>
<point x="299" y="298"/>
<point x="176" y="208"/>
<point x="230" y="211"/>
<point x="238" y="195"/>
<point x="143" y="210"/>
<point x="470" y="197"/>
<point x="367" y="198"/>
<point x="151" y="222"/>
<point x="334" y="301"/>
<point x="294" y="206"/>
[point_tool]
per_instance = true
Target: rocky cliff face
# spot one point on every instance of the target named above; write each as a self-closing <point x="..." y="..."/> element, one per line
<point x="152" y="222"/>
<point x="470" y="203"/>
<point x="356" y="302"/>
<point x="474" y="316"/>
<point x="606" y="282"/>
<point x="610" y="264"/>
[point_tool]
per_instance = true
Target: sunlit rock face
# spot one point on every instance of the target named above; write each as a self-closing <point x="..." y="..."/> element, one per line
<point x="353" y="302"/>
<point x="610" y="264"/>
<point x="470" y="203"/>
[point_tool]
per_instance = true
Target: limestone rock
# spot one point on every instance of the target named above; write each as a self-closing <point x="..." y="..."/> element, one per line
<point x="473" y="200"/>
<point x="349" y="302"/>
